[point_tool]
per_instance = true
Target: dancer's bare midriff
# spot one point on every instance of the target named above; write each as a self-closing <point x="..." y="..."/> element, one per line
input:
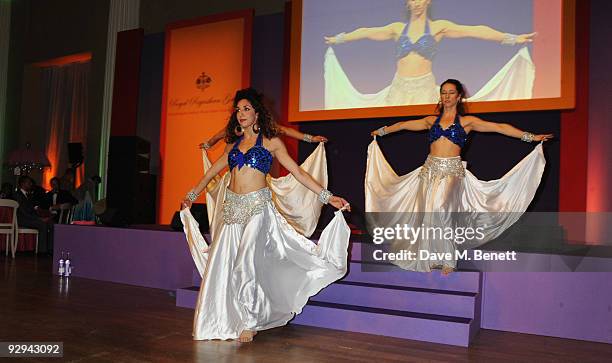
<point x="413" y="65"/>
<point x="444" y="148"/>
<point x="246" y="180"/>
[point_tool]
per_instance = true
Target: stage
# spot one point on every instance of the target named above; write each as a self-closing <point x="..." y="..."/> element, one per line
<point x="378" y="299"/>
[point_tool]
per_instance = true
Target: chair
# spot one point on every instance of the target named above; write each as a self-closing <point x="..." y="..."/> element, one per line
<point x="25" y="231"/>
<point x="65" y="216"/>
<point x="8" y="226"/>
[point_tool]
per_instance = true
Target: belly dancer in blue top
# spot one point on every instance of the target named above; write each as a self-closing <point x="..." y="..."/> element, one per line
<point x="258" y="272"/>
<point x="417" y="43"/>
<point x="442" y="193"/>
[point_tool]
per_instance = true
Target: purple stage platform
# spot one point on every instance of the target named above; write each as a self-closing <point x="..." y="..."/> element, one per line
<point x="420" y="306"/>
<point x="150" y="258"/>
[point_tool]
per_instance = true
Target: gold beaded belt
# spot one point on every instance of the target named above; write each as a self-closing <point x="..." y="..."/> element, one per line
<point x="239" y="208"/>
<point x="437" y="167"/>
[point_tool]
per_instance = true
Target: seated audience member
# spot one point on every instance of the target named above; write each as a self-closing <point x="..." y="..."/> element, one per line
<point x="38" y="197"/>
<point x="28" y="217"/>
<point x="56" y="197"/>
<point x="86" y="195"/>
<point x="67" y="180"/>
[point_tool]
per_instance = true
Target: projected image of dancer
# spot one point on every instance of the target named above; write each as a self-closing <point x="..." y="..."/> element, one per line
<point x="258" y="272"/>
<point x="417" y="43"/>
<point x="441" y="193"/>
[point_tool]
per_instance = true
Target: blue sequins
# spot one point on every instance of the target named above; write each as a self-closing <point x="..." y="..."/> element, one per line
<point x="454" y="132"/>
<point x="257" y="157"/>
<point x="426" y="45"/>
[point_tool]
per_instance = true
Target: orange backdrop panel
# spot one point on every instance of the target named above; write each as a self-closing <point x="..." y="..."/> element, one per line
<point x="206" y="61"/>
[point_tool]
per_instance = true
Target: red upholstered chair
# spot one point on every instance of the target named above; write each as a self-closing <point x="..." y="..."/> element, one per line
<point x="8" y="223"/>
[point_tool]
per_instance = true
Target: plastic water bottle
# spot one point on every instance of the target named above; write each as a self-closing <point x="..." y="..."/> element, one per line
<point x="61" y="269"/>
<point x="68" y="269"/>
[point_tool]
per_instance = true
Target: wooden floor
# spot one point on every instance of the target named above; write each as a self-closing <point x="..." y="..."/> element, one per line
<point x="106" y="322"/>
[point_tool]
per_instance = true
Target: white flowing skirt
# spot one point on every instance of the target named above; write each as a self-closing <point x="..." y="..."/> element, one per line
<point x="514" y="81"/>
<point x="258" y="275"/>
<point x="441" y="193"/>
<point x="259" y="271"/>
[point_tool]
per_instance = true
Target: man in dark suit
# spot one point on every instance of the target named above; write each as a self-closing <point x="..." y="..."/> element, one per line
<point x="56" y="196"/>
<point x="27" y="216"/>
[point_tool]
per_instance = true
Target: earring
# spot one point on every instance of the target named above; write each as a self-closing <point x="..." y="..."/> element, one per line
<point x="238" y="131"/>
<point x="256" y="128"/>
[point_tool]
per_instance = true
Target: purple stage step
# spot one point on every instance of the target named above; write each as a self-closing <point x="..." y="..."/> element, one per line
<point x="460" y="281"/>
<point x="437" y="328"/>
<point x="417" y="300"/>
<point x="187" y="297"/>
<point x="393" y="323"/>
<point x="398" y="303"/>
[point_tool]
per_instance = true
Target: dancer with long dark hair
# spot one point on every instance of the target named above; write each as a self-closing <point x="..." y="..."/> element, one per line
<point x="441" y="193"/>
<point x="258" y="272"/>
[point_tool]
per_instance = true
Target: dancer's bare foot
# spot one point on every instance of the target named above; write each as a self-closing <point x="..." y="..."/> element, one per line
<point x="246" y="336"/>
<point x="446" y="270"/>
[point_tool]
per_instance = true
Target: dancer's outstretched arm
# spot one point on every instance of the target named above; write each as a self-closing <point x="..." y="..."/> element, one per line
<point x="387" y="32"/>
<point x="452" y="30"/>
<point x="215" y="169"/>
<point x="300" y="135"/>
<point x="277" y="147"/>
<point x="473" y="123"/>
<point x="283" y="129"/>
<point x="411" y="125"/>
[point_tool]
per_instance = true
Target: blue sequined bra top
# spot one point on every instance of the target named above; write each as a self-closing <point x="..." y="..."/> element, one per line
<point x="454" y="132"/>
<point x="426" y="45"/>
<point x="257" y="157"/>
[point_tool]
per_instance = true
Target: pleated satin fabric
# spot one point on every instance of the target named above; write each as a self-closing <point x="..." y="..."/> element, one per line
<point x="259" y="275"/>
<point x="428" y="199"/>
<point x="514" y="81"/>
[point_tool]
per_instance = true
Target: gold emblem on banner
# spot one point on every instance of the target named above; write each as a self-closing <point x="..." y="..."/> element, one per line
<point x="203" y="81"/>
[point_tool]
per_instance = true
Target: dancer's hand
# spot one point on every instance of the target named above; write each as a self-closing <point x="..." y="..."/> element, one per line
<point x="377" y="132"/>
<point x="186" y="203"/>
<point x="205" y="145"/>
<point x="319" y="139"/>
<point x="543" y="137"/>
<point x="339" y="202"/>
<point x="525" y="38"/>
<point x="330" y="40"/>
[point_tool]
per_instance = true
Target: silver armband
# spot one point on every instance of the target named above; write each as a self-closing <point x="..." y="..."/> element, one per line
<point x="509" y="39"/>
<point x="381" y="131"/>
<point x="527" y="137"/>
<point x="324" y="196"/>
<point x="205" y="145"/>
<point x="340" y="38"/>
<point x="307" y="138"/>
<point x="191" y="196"/>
